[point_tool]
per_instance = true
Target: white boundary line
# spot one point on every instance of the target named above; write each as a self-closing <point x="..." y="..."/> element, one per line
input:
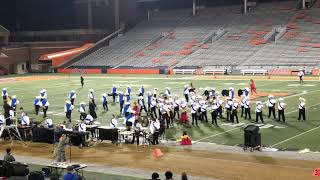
<point x="300" y="133"/>
<point x="218" y="134"/>
<point x="295" y="136"/>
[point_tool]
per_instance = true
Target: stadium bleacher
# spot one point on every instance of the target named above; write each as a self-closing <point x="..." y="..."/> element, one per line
<point x="177" y="40"/>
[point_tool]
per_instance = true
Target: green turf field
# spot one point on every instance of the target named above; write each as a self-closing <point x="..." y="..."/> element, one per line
<point x="293" y="135"/>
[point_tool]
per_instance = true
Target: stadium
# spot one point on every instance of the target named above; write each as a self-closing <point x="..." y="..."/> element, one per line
<point x="160" y="89"/>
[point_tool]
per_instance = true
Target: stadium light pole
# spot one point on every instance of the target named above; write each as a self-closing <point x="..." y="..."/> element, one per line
<point x="116" y="14"/>
<point x="194" y="7"/>
<point x="303" y="4"/>
<point x="245" y="6"/>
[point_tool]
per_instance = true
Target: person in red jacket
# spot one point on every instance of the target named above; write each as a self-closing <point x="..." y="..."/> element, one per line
<point x="185" y="139"/>
<point x="253" y="88"/>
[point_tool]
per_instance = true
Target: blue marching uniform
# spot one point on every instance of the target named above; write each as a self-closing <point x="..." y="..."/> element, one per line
<point x="37" y="103"/>
<point x="45" y="106"/>
<point x="72" y="96"/>
<point x="121" y="101"/>
<point x="4" y="94"/>
<point x="126" y="110"/>
<point x="142" y="90"/>
<point x="149" y="102"/>
<point x="105" y="103"/>
<point x="14" y="103"/>
<point x="113" y="93"/>
<point x="68" y="107"/>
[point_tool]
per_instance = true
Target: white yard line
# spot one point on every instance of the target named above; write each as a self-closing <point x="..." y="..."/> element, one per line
<point x="286" y="140"/>
<point x="300" y="133"/>
<point x="217" y="134"/>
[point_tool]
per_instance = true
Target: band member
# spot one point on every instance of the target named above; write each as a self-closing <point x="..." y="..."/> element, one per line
<point x="104" y="102"/>
<point x="45" y="106"/>
<point x="192" y="88"/>
<point x="302" y="109"/>
<point x="194" y="110"/>
<point x="155" y="92"/>
<point x="129" y="119"/>
<point x="25" y="120"/>
<point x="186" y="93"/>
<point x="127" y="97"/>
<point x="271" y="106"/>
<point x="141" y="91"/>
<point x="137" y="128"/>
<point x="176" y="105"/>
<point x="154" y="129"/>
<point x="113" y="93"/>
<point x="219" y="104"/>
<point x="142" y="105"/>
<point x="301" y="74"/>
<point x="184" y="115"/>
<point x="72" y="96"/>
<point x="281" y="107"/>
<point x="160" y="106"/>
<point x="214" y="112"/>
<point x="206" y="93"/>
<point x="48" y="123"/>
<point x="82" y="81"/>
<point x="91" y="96"/>
<point x="243" y="99"/>
<point x="234" y="112"/>
<point x="167" y="92"/>
<point x="212" y="92"/>
<point x="68" y="107"/>
<point x="4" y="93"/>
<point x="165" y="114"/>
<point x="231" y="93"/>
<point x="82" y="127"/>
<point x="203" y="110"/>
<point x="126" y="109"/>
<point x="7" y="109"/>
<point x="92" y="109"/>
<point x="153" y="106"/>
<point x="82" y="110"/>
<point x="37" y="104"/>
<point x="136" y="108"/>
<point x="228" y="107"/>
<point x="128" y="91"/>
<point x="246" y="92"/>
<point x="2" y="119"/>
<point x="247" y="112"/>
<point x="14" y="102"/>
<point x="259" y="107"/>
<point x="121" y="100"/>
<point x="43" y="94"/>
<point x="149" y="97"/>
<point x="114" y="121"/>
<point x="88" y="120"/>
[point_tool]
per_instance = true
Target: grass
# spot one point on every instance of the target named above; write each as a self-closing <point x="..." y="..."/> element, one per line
<point x="58" y="92"/>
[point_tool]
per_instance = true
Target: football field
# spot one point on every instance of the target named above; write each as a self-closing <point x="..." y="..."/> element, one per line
<point x="291" y="135"/>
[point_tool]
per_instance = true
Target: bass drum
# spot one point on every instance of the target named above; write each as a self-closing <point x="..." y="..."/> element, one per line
<point x="225" y="92"/>
<point x="240" y="92"/>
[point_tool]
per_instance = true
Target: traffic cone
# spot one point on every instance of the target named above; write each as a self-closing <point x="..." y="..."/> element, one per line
<point x="157" y="152"/>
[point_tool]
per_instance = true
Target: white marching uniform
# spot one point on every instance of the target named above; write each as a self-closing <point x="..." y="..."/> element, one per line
<point x="88" y="119"/>
<point x="2" y="119"/>
<point x="25" y="121"/>
<point x="114" y="122"/>
<point x="82" y="127"/>
<point x="154" y="126"/>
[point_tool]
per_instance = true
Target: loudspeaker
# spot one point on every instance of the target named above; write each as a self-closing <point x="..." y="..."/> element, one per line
<point x="36" y="175"/>
<point x="251" y="129"/>
<point x="252" y="140"/>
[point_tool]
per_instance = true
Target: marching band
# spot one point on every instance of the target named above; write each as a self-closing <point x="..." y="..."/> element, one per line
<point x="163" y="109"/>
